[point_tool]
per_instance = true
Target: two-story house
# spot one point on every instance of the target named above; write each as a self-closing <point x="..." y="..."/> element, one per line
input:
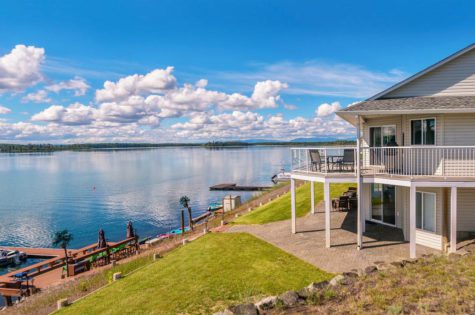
<point x="414" y="162"/>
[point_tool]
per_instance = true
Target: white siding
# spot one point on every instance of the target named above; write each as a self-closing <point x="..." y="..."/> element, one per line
<point x="456" y="77"/>
<point x="429" y="239"/>
<point x="459" y="129"/>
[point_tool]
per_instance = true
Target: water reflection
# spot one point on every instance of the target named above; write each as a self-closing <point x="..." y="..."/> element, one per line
<point x="84" y="191"/>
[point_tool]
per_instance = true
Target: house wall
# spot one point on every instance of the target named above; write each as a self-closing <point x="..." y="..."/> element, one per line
<point x="456" y="77"/>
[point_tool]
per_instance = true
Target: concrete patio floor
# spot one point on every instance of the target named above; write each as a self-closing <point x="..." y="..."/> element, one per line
<point x="380" y="243"/>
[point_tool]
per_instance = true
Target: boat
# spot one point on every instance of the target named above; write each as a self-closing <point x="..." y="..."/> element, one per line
<point x="282" y="176"/>
<point x="214" y="206"/>
<point x="11" y="257"/>
<point x="178" y="231"/>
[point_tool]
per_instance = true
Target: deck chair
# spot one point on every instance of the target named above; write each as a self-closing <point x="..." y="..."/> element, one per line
<point x="348" y="161"/>
<point x="316" y="161"/>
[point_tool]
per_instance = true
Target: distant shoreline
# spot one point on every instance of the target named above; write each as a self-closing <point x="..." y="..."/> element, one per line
<point x="45" y="148"/>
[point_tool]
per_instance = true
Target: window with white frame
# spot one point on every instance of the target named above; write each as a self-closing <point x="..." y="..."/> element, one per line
<point x="423" y="131"/>
<point x="425" y="211"/>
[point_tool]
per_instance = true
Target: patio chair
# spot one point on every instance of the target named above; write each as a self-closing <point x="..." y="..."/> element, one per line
<point x="343" y="203"/>
<point x="316" y="161"/>
<point x="347" y="163"/>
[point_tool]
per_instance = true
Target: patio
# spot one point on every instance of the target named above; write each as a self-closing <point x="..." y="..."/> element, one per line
<point x="380" y="243"/>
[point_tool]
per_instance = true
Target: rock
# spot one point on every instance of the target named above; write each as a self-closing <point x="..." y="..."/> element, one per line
<point x="370" y="269"/>
<point x="225" y="312"/>
<point x="336" y="280"/>
<point x="316" y="286"/>
<point x="117" y="276"/>
<point x="304" y="293"/>
<point x="397" y="264"/>
<point x="289" y="298"/>
<point x="410" y="261"/>
<point x="244" y="309"/>
<point x="267" y="303"/>
<point x="350" y="274"/>
<point x="62" y="303"/>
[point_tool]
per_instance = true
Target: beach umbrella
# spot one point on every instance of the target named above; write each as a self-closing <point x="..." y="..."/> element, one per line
<point x="101" y="243"/>
<point x="130" y="230"/>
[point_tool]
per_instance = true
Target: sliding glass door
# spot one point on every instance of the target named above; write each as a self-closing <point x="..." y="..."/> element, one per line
<point x="383" y="203"/>
<point x="384" y="136"/>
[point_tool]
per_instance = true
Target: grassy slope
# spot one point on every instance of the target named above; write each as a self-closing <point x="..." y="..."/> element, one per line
<point x="437" y="285"/>
<point x="203" y="276"/>
<point x="279" y="209"/>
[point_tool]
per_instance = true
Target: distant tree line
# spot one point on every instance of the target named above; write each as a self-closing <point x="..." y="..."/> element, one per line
<point x="45" y="148"/>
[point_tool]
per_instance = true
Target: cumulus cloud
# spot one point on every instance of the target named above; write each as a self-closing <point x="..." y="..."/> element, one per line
<point x="157" y="81"/>
<point x="4" y="110"/>
<point x="40" y="96"/>
<point x="20" y="68"/>
<point x="326" y="109"/>
<point x="74" y="114"/>
<point x="78" y="85"/>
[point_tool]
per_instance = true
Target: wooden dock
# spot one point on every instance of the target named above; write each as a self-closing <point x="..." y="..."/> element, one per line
<point x="235" y="187"/>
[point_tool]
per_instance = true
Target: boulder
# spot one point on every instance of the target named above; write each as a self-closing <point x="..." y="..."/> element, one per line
<point x="370" y="269"/>
<point x="351" y="274"/>
<point x="397" y="264"/>
<point x="316" y="286"/>
<point x="267" y="303"/>
<point x="336" y="280"/>
<point x="244" y="309"/>
<point x="289" y="298"/>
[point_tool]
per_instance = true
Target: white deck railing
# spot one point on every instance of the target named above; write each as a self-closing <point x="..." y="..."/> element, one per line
<point x="324" y="160"/>
<point x="445" y="161"/>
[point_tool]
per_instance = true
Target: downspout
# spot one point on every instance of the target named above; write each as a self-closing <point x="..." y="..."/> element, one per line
<point x="359" y="223"/>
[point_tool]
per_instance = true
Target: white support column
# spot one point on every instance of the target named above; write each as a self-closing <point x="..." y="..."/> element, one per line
<point x="292" y="205"/>
<point x="359" y="217"/>
<point x="326" y="197"/>
<point x="453" y="220"/>
<point x="412" y="222"/>
<point x="312" y="195"/>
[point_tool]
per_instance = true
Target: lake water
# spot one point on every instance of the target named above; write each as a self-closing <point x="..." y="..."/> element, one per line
<point x="86" y="191"/>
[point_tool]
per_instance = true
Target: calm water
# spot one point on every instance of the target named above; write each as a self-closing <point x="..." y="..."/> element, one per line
<point x="86" y="191"/>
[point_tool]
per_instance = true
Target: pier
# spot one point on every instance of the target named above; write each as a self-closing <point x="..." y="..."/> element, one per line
<point x="235" y="187"/>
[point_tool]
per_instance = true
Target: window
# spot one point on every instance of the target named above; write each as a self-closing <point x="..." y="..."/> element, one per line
<point x="423" y="131"/>
<point x="425" y="211"/>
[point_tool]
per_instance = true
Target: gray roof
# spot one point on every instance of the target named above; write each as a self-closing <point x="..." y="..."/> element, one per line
<point x="442" y="104"/>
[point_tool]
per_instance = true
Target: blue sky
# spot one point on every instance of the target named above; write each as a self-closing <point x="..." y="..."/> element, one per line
<point x="241" y="69"/>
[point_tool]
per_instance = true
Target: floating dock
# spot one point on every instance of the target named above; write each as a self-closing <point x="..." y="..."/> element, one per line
<point x="235" y="187"/>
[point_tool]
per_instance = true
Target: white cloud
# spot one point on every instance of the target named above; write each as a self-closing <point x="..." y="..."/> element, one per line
<point x="74" y="114"/>
<point x="326" y="109"/>
<point x="157" y="81"/>
<point x="4" y="110"/>
<point x="20" y="68"/>
<point x="78" y="85"/>
<point x="40" y="96"/>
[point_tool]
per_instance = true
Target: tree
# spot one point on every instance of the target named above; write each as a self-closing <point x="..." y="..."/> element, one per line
<point x="62" y="239"/>
<point x="185" y="202"/>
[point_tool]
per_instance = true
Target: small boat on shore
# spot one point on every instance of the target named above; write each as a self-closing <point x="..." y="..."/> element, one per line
<point x="282" y="176"/>
<point x="11" y="257"/>
<point x="178" y="231"/>
<point x="214" y="206"/>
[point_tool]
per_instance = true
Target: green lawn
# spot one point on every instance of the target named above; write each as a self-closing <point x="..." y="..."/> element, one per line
<point x="203" y="277"/>
<point x="279" y="209"/>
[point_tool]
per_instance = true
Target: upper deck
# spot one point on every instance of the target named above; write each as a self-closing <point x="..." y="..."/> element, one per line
<point x="434" y="163"/>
